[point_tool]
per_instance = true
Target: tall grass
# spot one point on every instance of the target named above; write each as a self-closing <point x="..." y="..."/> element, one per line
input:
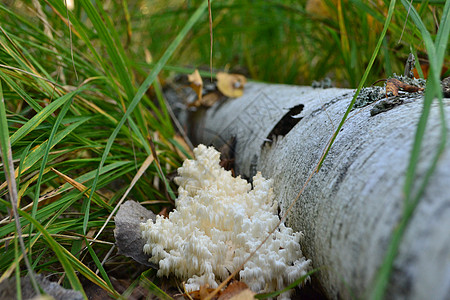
<point x="82" y="102"/>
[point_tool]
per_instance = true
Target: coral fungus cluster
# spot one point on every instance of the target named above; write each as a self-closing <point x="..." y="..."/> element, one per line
<point x="218" y="221"/>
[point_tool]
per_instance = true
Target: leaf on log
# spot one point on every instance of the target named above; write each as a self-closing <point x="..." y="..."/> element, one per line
<point x="393" y="85"/>
<point x="231" y="85"/>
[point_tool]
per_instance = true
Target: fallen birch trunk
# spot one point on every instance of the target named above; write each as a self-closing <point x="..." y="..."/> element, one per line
<point x="350" y="208"/>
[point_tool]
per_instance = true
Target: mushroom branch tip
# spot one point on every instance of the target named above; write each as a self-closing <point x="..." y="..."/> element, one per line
<point x="218" y="221"/>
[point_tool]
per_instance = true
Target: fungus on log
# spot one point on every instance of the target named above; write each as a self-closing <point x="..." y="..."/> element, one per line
<point x="351" y="206"/>
<point x="218" y="221"/>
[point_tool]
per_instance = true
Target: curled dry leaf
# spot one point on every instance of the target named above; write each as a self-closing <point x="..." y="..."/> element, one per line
<point x="196" y="83"/>
<point x="231" y="85"/>
<point x="393" y="85"/>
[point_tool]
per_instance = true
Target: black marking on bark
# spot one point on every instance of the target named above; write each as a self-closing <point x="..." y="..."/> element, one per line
<point x="287" y="122"/>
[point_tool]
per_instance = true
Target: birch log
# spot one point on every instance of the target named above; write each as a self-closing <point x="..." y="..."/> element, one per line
<point x="352" y="205"/>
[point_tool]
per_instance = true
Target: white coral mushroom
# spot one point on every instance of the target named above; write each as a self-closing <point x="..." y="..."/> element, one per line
<point x="218" y="221"/>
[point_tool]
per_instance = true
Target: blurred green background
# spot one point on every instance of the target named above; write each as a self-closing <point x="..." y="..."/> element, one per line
<point x="286" y="41"/>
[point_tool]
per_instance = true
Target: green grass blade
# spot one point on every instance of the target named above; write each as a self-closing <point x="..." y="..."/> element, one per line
<point x="435" y="71"/>
<point x="41" y="116"/>
<point x="89" y="274"/>
<point x="22" y="159"/>
<point x="166" y="117"/>
<point x="69" y="271"/>
<point x="17" y="269"/>
<point x="387" y="61"/>
<point x="98" y="264"/>
<point x="61" y="115"/>
<point x="428" y="41"/>
<point x="111" y="47"/>
<point x="80" y="28"/>
<point x="127" y="293"/>
<point x="141" y="91"/>
<point x="417" y="63"/>
<point x="383" y="275"/>
<point x="6" y="156"/>
<point x="443" y="34"/>
<point x="20" y="91"/>
<point x="361" y="84"/>
<point x="4" y="133"/>
<point x="152" y="288"/>
<point x="86" y="272"/>
<point x="38" y="152"/>
<point x="410" y="202"/>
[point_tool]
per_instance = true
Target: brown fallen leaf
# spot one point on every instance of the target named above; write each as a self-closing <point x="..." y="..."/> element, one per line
<point x="393" y="85"/>
<point x="231" y="85"/>
<point x="237" y="290"/>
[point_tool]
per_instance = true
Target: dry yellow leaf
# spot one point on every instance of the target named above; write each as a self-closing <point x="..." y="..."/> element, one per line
<point x="231" y="85"/>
